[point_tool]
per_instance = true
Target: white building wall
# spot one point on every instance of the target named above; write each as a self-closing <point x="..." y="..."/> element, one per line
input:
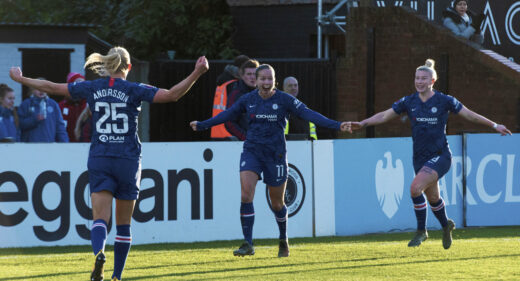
<point x="11" y="56"/>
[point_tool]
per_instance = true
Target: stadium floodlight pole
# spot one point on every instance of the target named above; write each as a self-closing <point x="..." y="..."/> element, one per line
<point x="330" y="18"/>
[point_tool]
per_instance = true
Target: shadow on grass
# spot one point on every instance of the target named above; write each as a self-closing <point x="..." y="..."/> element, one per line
<point x="464" y="233"/>
<point x="247" y="270"/>
<point x="86" y="273"/>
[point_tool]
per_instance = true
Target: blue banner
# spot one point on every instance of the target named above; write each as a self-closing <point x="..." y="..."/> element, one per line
<point x="493" y="181"/>
<point x="372" y="186"/>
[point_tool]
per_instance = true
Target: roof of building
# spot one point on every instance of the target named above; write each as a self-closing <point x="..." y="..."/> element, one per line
<point x="81" y="25"/>
<point x="234" y="3"/>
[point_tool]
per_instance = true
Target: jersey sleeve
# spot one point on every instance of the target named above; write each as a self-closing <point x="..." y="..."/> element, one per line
<point x="454" y="105"/>
<point x="230" y="113"/>
<point x="79" y="90"/>
<point x="301" y="110"/>
<point x="145" y="92"/>
<point x="399" y="106"/>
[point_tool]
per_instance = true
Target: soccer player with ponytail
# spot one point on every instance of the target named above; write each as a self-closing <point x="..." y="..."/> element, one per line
<point x="114" y="163"/>
<point x="428" y="111"/>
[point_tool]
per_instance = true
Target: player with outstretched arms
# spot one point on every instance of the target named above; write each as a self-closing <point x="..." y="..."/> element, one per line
<point x="428" y="111"/>
<point x="264" y="151"/>
<point x="114" y="162"/>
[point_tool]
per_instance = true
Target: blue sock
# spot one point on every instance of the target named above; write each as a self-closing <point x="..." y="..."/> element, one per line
<point x="121" y="249"/>
<point x="439" y="210"/>
<point x="281" y="220"/>
<point x="419" y="205"/>
<point x="247" y="218"/>
<point x="98" y="236"/>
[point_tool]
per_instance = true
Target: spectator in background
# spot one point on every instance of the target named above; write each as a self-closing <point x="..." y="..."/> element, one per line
<point x="463" y="22"/>
<point x="82" y="130"/>
<point x="246" y="84"/>
<point x="40" y="119"/>
<point x="231" y="70"/>
<point x="8" y="117"/>
<point x="295" y="124"/>
<point x="72" y="108"/>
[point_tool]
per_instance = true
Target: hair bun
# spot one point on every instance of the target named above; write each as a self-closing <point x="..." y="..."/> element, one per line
<point x="3" y="85"/>
<point x="430" y="63"/>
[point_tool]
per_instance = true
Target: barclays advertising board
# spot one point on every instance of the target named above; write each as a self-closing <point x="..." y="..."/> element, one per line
<point x="372" y="186"/>
<point x="493" y="182"/>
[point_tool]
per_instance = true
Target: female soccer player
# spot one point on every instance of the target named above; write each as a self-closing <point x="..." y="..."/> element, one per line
<point x="114" y="163"/>
<point x="264" y="149"/>
<point x="428" y="111"/>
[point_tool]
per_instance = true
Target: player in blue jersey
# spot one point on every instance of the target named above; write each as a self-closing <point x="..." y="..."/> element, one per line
<point x="114" y="163"/>
<point x="264" y="151"/>
<point x="428" y="112"/>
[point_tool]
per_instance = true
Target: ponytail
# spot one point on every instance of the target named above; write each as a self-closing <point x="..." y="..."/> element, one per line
<point x="117" y="60"/>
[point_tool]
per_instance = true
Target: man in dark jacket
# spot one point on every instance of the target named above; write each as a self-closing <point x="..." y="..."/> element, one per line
<point x="246" y="84"/>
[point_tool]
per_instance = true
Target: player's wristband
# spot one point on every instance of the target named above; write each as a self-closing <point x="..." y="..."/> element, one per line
<point x="495" y="125"/>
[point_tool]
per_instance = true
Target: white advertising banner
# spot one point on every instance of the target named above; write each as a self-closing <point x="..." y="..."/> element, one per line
<point x="189" y="192"/>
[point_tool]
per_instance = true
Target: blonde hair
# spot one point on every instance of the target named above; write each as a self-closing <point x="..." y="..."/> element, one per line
<point x="429" y="66"/>
<point x="117" y="60"/>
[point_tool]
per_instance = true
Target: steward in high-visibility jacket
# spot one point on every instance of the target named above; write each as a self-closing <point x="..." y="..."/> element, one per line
<point x="300" y="127"/>
<point x="219" y="105"/>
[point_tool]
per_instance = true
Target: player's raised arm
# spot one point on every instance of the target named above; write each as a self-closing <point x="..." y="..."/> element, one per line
<point x="376" y="119"/>
<point x="43" y="85"/>
<point x="180" y="89"/>
<point x="479" y="119"/>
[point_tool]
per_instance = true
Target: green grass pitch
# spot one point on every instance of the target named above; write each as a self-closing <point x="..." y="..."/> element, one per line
<point x="476" y="254"/>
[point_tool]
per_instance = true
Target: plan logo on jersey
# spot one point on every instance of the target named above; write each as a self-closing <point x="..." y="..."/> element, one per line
<point x="112" y="139"/>
<point x="275" y="106"/>
<point x="294" y="192"/>
<point x="434" y="109"/>
<point x="389" y="184"/>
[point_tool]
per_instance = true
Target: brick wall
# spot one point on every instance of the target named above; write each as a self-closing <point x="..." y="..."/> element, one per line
<point x="281" y="31"/>
<point x="403" y="41"/>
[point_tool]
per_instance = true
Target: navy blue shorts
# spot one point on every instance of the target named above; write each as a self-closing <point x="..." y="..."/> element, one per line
<point x="440" y="163"/>
<point x="120" y="176"/>
<point x="273" y="168"/>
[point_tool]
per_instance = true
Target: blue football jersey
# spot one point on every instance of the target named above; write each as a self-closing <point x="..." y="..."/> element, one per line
<point x="267" y="118"/>
<point x="115" y="104"/>
<point x="428" y="120"/>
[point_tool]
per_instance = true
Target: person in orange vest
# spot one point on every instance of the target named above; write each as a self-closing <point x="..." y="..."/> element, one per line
<point x="225" y="83"/>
